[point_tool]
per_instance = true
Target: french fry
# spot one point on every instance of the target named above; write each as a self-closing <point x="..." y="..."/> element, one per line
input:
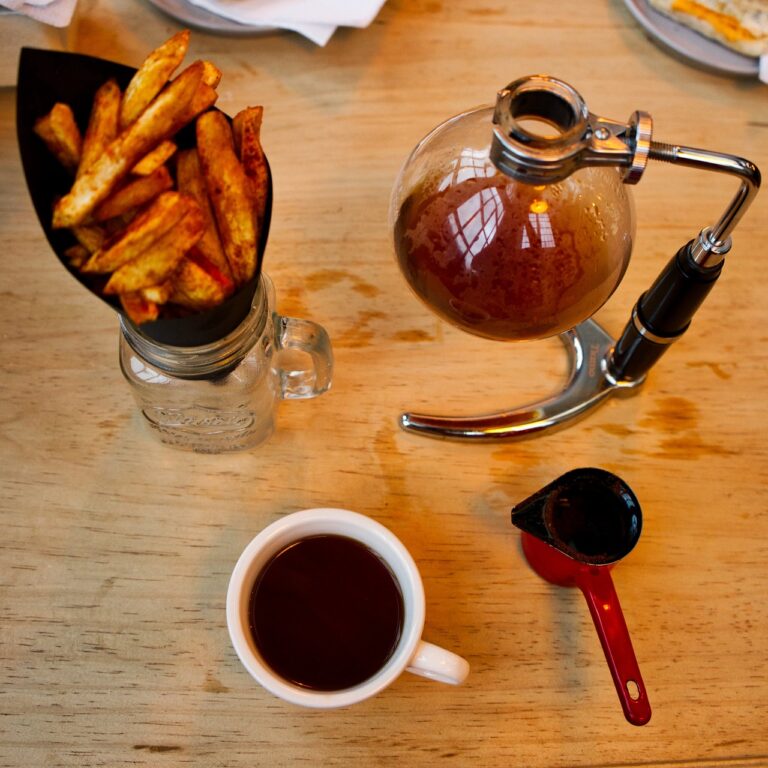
<point x="102" y="124"/>
<point x="204" y="97"/>
<point x="229" y="191"/>
<point x="223" y="280"/>
<point x="61" y="135"/>
<point x="151" y="76"/>
<point x="211" y="74"/>
<point x="252" y="157"/>
<point x="134" y="194"/>
<point x="139" y="309"/>
<point x="77" y="255"/>
<point x="160" y="155"/>
<point x="190" y="179"/>
<point x="158" y="262"/>
<point x="91" y="237"/>
<point x="158" y="122"/>
<point x="197" y="284"/>
<point x="238" y="121"/>
<point x="162" y="215"/>
<point x="114" y="227"/>
<point x="158" y="294"/>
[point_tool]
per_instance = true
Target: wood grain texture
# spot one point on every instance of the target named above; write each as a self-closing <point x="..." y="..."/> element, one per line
<point x="116" y="551"/>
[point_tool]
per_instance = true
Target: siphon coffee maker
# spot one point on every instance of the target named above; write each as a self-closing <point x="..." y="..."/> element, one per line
<point x="515" y="222"/>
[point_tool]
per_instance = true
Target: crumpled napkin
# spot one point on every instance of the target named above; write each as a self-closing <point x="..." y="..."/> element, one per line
<point x="315" y="19"/>
<point x="56" y="13"/>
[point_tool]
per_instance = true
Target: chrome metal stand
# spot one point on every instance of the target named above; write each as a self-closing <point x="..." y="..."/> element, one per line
<point x="599" y="365"/>
<point x="589" y="382"/>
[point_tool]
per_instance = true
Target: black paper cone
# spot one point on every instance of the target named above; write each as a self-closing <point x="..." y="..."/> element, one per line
<point x="47" y="77"/>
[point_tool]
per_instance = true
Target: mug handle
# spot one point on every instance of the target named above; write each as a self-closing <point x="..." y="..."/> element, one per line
<point x="438" y="664"/>
<point x="298" y="381"/>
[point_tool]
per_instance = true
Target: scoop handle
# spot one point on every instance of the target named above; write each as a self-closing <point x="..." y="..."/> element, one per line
<point x="597" y="586"/>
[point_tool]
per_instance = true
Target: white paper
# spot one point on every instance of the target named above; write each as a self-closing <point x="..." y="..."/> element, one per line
<point x="763" y="75"/>
<point x="315" y="19"/>
<point x="18" y="5"/>
<point x="56" y="13"/>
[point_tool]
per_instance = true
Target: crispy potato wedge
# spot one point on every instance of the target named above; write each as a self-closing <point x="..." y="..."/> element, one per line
<point x="139" y="309"/>
<point x="151" y="76"/>
<point x="102" y="124"/>
<point x="238" y="121"/>
<point x="211" y="74"/>
<point x="134" y="194"/>
<point x="77" y="255"/>
<point x="114" y="227"/>
<point x="158" y="122"/>
<point x="162" y="215"/>
<point x="252" y="157"/>
<point x="229" y="191"/>
<point x="189" y="177"/>
<point x="61" y="135"/>
<point x="197" y="284"/>
<point x="91" y="237"/>
<point x="159" y="261"/>
<point x="160" y="155"/>
<point x="158" y="294"/>
<point x="237" y="130"/>
<point x="223" y="280"/>
<point x="204" y="98"/>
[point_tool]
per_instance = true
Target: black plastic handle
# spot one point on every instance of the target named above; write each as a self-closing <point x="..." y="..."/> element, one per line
<point x="662" y="314"/>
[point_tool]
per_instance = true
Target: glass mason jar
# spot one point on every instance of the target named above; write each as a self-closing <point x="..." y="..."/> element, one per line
<point x="223" y="396"/>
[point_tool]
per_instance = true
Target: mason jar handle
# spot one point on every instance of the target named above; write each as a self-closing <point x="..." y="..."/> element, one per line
<point x="299" y="381"/>
<point x="438" y="664"/>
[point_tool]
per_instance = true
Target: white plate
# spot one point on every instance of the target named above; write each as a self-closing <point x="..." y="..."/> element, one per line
<point x="692" y="46"/>
<point x="197" y="17"/>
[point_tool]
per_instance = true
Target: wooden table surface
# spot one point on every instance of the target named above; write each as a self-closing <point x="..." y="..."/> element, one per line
<point x="116" y="551"/>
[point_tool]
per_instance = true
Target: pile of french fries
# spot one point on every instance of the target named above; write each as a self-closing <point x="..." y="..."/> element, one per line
<point x="164" y="225"/>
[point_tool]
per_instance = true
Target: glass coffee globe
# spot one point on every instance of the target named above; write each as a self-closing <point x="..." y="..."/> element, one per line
<point x="499" y="258"/>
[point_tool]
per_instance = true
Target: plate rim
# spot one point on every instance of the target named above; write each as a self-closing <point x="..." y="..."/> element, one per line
<point x="673" y="36"/>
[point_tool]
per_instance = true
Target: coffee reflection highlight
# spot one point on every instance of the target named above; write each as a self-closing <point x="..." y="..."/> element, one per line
<point x="502" y="259"/>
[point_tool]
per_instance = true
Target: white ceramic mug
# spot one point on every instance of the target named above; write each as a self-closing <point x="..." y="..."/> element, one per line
<point x="411" y="653"/>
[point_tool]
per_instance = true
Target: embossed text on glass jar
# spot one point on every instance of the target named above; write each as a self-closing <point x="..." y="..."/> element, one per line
<point x="223" y="396"/>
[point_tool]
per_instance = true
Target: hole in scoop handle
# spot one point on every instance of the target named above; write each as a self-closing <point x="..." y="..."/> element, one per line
<point x="436" y="663"/>
<point x="597" y="587"/>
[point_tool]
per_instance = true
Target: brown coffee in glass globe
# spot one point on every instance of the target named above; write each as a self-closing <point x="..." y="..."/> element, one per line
<point x="499" y="258"/>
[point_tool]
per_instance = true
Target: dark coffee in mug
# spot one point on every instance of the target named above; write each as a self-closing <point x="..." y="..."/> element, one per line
<point x="326" y="613"/>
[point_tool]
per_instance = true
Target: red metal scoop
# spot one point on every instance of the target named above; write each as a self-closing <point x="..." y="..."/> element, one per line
<point x="573" y="531"/>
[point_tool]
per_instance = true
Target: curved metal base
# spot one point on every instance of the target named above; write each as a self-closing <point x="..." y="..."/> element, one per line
<point x="588" y="347"/>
